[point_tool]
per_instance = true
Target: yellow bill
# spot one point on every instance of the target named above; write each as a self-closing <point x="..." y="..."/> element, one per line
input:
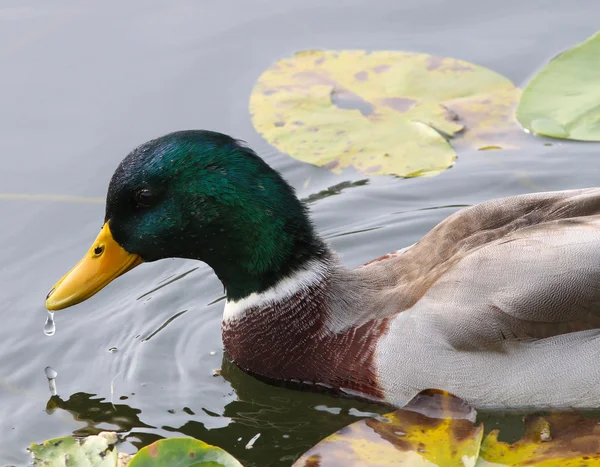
<point x="104" y="262"/>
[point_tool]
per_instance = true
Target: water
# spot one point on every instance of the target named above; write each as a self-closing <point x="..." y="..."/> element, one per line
<point x="50" y="325"/>
<point x="83" y="83"/>
<point x="51" y="374"/>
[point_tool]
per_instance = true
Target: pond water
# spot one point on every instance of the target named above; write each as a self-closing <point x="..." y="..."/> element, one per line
<point x="82" y="83"/>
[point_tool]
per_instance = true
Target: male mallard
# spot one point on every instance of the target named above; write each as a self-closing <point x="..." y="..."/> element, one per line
<point x="499" y="304"/>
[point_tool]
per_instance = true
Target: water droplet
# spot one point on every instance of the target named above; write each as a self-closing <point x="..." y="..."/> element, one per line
<point x="50" y="326"/>
<point x="212" y="352"/>
<point x="113" y="349"/>
<point x="51" y="374"/>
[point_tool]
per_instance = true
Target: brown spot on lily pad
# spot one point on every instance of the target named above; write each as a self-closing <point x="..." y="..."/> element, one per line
<point x="401" y="104"/>
<point x="313" y="461"/>
<point x="381" y="68"/>
<point x="459" y="65"/>
<point x="153" y="449"/>
<point x="434" y="62"/>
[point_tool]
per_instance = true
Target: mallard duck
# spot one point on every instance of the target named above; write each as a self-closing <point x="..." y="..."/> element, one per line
<point x="498" y="304"/>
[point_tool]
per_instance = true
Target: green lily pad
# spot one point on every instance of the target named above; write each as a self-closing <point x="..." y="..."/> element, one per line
<point x="93" y="451"/>
<point x="434" y="429"/>
<point x="182" y="452"/>
<point x="563" y="99"/>
<point x="385" y="112"/>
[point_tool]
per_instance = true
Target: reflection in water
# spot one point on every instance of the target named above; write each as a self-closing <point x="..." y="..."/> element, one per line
<point x="250" y="444"/>
<point x="434" y="208"/>
<point x="280" y="415"/>
<point x="333" y="190"/>
<point x="216" y="300"/>
<point x="285" y="418"/>
<point x="95" y="411"/>
<point x="353" y="232"/>
<point x="164" y="325"/>
<point x="164" y="284"/>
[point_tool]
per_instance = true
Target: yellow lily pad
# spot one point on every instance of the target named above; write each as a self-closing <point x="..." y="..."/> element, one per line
<point x="559" y="439"/>
<point x="434" y="429"/>
<point x="562" y="100"/>
<point x="384" y="112"/>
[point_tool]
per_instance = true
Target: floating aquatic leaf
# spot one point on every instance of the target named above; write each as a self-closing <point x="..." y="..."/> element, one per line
<point x="182" y="452"/>
<point x="559" y="439"/>
<point x="93" y="451"/>
<point x="382" y="112"/>
<point x="434" y="429"/>
<point x="563" y="99"/>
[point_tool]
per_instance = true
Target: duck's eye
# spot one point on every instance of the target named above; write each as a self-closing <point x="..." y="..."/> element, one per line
<point x="144" y="198"/>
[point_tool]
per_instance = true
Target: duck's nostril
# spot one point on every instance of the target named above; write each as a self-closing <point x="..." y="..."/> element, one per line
<point x="99" y="250"/>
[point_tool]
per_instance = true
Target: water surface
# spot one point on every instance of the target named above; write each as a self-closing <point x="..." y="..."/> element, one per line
<point x="82" y="83"/>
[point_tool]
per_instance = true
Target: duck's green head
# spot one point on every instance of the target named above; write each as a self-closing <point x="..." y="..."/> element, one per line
<point x="199" y="195"/>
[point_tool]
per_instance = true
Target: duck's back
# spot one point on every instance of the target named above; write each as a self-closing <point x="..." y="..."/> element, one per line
<point x="498" y="302"/>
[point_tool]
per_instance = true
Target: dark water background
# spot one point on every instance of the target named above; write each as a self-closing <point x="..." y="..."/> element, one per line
<point x="82" y="83"/>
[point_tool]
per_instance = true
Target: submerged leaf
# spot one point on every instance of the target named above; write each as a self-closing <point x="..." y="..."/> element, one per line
<point x="563" y="99"/>
<point x="382" y="112"/>
<point x="182" y="452"/>
<point x="434" y="429"/>
<point x="93" y="451"/>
